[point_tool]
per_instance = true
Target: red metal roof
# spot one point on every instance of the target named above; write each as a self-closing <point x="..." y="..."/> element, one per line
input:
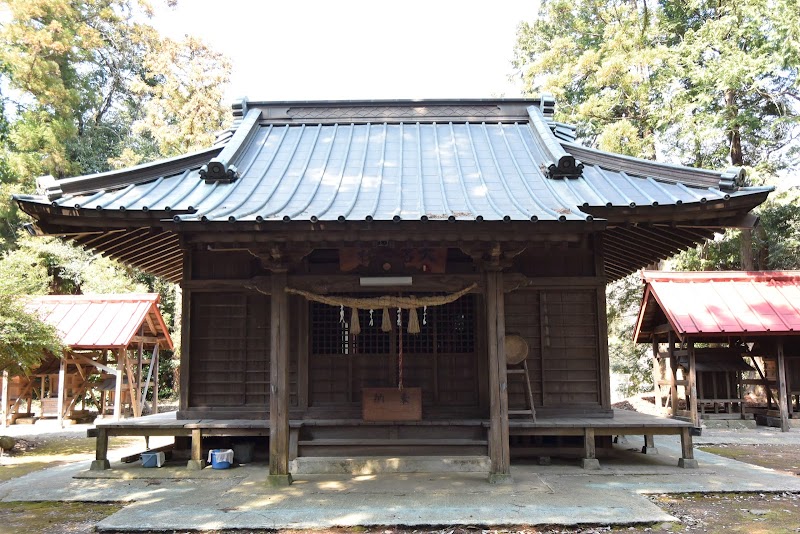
<point x="716" y="304"/>
<point x="102" y="321"/>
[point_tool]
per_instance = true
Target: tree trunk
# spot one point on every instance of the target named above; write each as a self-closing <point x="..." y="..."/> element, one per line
<point x="737" y="159"/>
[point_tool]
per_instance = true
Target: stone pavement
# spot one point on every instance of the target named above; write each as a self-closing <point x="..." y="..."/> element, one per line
<point x="561" y="493"/>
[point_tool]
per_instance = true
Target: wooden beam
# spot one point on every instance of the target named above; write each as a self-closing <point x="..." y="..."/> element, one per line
<point x="693" y="386"/>
<point x="5" y="400"/>
<point x="157" y="362"/>
<point x="279" y="386"/>
<point x="303" y="335"/>
<point x="62" y="378"/>
<point x="673" y="369"/>
<point x="783" y="397"/>
<point x="118" y="393"/>
<point x="656" y="376"/>
<point x="186" y="341"/>
<point x="126" y="363"/>
<point x="499" y="453"/>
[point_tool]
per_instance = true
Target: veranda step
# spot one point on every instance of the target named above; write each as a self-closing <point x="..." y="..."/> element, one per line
<point x="374" y="465"/>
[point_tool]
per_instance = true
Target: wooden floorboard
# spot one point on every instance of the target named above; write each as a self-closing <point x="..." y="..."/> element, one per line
<point x="622" y="419"/>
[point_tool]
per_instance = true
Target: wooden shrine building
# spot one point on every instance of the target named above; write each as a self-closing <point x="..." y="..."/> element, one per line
<point x="706" y="328"/>
<point x="111" y="360"/>
<point x="330" y="252"/>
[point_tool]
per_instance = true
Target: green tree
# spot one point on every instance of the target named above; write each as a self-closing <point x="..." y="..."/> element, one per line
<point x="24" y="339"/>
<point x="85" y="80"/>
<point x="706" y="83"/>
<point x="700" y="82"/>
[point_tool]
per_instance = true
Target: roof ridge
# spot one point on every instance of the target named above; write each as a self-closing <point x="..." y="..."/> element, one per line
<point x="729" y="180"/>
<point x="54" y="189"/>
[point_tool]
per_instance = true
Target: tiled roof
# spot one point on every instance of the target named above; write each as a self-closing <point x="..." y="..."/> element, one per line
<point x="101" y="321"/>
<point x="395" y="170"/>
<point x="460" y="160"/>
<point x="721" y="304"/>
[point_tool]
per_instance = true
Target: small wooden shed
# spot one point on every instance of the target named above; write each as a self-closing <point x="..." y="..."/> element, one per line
<point x="112" y="358"/>
<point x="708" y="329"/>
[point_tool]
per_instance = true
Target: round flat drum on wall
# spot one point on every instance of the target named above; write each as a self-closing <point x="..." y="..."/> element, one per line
<point x="516" y="349"/>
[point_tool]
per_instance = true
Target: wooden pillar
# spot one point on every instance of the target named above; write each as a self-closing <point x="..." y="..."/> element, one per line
<point x="157" y="362"/>
<point x="783" y="401"/>
<point x="649" y="445"/>
<point x="279" y="383"/>
<point x="302" y="353"/>
<point x="656" y="376"/>
<point x="6" y="401"/>
<point x="101" y="451"/>
<point x="118" y="393"/>
<point x="692" y="385"/>
<point x="197" y="461"/>
<point x="687" y="460"/>
<point x="673" y="369"/>
<point x="62" y="378"/>
<point x="498" y="386"/>
<point x="589" y="452"/>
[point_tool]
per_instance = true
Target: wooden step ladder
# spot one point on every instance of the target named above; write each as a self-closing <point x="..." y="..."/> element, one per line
<point x="528" y="391"/>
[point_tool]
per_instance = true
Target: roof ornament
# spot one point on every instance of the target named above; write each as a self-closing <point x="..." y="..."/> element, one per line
<point x="547" y="105"/>
<point x="221" y="168"/>
<point x="48" y="185"/>
<point x="557" y="163"/>
<point x="732" y="178"/>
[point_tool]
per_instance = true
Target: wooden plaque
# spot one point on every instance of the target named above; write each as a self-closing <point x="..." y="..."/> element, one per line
<point x="391" y="404"/>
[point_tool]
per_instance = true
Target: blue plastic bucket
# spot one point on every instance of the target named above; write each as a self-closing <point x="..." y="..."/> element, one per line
<point x="218" y="458"/>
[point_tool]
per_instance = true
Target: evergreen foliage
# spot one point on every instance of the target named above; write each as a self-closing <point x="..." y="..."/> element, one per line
<point x="702" y="83"/>
<point x="86" y="87"/>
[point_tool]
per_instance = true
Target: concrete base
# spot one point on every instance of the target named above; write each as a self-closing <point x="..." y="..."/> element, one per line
<point x="374" y="465"/>
<point x="590" y="463"/>
<point x="99" y="465"/>
<point x="196" y="464"/>
<point x="276" y="481"/>
<point x="500" y="478"/>
<point x="688" y="463"/>
<point x="649" y="450"/>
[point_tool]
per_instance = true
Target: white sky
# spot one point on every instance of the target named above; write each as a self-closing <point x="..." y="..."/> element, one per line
<point x="357" y="49"/>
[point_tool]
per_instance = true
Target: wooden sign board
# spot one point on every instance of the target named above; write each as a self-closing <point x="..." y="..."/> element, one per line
<point x="391" y="404"/>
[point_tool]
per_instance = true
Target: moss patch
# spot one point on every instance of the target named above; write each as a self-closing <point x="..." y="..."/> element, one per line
<point x="784" y="458"/>
<point x="53" y="517"/>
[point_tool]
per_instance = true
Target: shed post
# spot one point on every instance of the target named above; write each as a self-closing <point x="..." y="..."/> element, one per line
<point x="692" y="385"/>
<point x="279" y="383"/>
<point x="62" y="377"/>
<point x="156" y="361"/>
<point x="656" y="376"/>
<point x="499" y="453"/>
<point x="673" y="369"/>
<point x="783" y="402"/>
<point x="118" y="392"/>
<point x="5" y="400"/>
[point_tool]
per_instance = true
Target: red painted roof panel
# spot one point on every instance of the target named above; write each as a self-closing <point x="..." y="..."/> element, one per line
<point x="724" y="303"/>
<point x="99" y="321"/>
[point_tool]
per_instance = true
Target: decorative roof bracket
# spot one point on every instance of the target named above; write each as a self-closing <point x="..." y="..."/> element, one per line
<point x="557" y="163"/>
<point x="221" y="168"/>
